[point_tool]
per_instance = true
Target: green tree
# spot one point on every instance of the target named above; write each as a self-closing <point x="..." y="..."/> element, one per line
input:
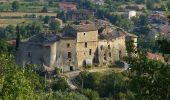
<point x="164" y="46"/>
<point x="92" y="95"/>
<point x="148" y="78"/>
<point x="113" y="84"/>
<point x="59" y="95"/>
<point x="168" y="5"/>
<point x="6" y="48"/>
<point x="150" y="4"/>
<point x="54" y="25"/>
<point x="61" y="84"/>
<point x="44" y="9"/>
<point x="110" y="85"/>
<point x="34" y="28"/>
<point x="46" y="19"/>
<point x="15" y="82"/>
<point x="10" y="32"/>
<point x="15" y="5"/>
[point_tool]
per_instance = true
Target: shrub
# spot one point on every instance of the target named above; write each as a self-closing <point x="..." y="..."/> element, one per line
<point x="61" y="84"/>
<point x="57" y="70"/>
<point x="88" y="66"/>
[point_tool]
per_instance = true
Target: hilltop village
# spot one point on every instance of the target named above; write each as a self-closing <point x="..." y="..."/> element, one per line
<point x="83" y="44"/>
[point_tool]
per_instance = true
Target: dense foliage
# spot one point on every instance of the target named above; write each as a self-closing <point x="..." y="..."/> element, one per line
<point x="26" y="30"/>
<point x="149" y="79"/>
<point x="112" y="85"/>
<point x="23" y="83"/>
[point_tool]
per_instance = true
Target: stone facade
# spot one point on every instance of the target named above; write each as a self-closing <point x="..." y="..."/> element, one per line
<point x="130" y="14"/>
<point x="78" y="46"/>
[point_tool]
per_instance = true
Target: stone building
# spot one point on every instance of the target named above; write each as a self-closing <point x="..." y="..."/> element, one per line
<point x="130" y="14"/>
<point x="77" y="15"/>
<point x="77" y="46"/>
<point x="98" y="2"/>
<point x="67" y="6"/>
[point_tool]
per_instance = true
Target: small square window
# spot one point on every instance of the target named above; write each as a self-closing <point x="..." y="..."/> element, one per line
<point x="29" y="54"/>
<point x="110" y="54"/>
<point x="84" y="33"/>
<point x="108" y="46"/>
<point x="90" y="52"/>
<point x="69" y="54"/>
<point x="101" y="47"/>
<point x="68" y="45"/>
<point x="105" y="57"/>
<point x="85" y="44"/>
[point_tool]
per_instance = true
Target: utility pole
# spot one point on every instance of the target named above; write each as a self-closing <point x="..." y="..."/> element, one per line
<point x="23" y="66"/>
<point x="45" y="80"/>
<point x="18" y="37"/>
<point x="82" y="83"/>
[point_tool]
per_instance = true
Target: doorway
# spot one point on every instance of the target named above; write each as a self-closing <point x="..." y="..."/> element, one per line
<point x="120" y="54"/>
<point x="71" y="68"/>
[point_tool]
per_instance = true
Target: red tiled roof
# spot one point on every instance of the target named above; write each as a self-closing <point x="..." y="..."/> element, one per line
<point x="11" y="42"/>
<point x="67" y="5"/>
<point x="155" y="57"/>
<point x="165" y="29"/>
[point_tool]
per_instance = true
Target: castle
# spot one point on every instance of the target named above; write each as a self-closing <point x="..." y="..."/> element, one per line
<point x="77" y="46"/>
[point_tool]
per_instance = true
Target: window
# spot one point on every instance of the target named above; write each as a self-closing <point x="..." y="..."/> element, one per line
<point x="105" y="57"/>
<point x="120" y="54"/>
<point x="101" y="47"/>
<point x="110" y="54"/>
<point x="68" y="45"/>
<point x="29" y="54"/>
<point x="69" y="54"/>
<point x="84" y="33"/>
<point x="85" y="44"/>
<point x="71" y="68"/>
<point x="90" y="52"/>
<point x="108" y="46"/>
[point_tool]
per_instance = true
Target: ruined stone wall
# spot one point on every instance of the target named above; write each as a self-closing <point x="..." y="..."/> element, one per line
<point x="40" y="55"/>
<point x="85" y="53"/>
<point x="110" y="51"/>
<point x="87" y="36"/>
<point x="120" y="45"/>
<point x="51" y="52"/>
<point x="107" y="52"/>
<point x="134" y="39"/>
<point x="86" y="47"/>
<point x="64" y="47"/>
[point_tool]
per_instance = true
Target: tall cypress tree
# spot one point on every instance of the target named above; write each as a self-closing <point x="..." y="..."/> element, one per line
<point x="18" y="37"/>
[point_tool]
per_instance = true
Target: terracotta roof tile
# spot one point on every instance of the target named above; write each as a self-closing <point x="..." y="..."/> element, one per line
<point x="12" y="42"/>
<point x="155" y="57"/>
<point x="67" y="5"/>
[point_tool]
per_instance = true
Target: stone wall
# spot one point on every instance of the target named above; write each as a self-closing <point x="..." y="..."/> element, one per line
<point x="66" y="46"/>
<point x="87" y="36"/>
<point x="106" y="52"/>
<point x="72" y="53"/>
<point x="86" y="47"/>
<point x="36" y="54"/>
<point x="85" y="53"/>
<point x="110" y="51"/>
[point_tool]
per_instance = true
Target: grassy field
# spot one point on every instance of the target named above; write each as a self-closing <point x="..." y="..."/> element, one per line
<point x="6" y="22"/>
<point x="27" y="7"/>
<point x="21" y="14"/>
